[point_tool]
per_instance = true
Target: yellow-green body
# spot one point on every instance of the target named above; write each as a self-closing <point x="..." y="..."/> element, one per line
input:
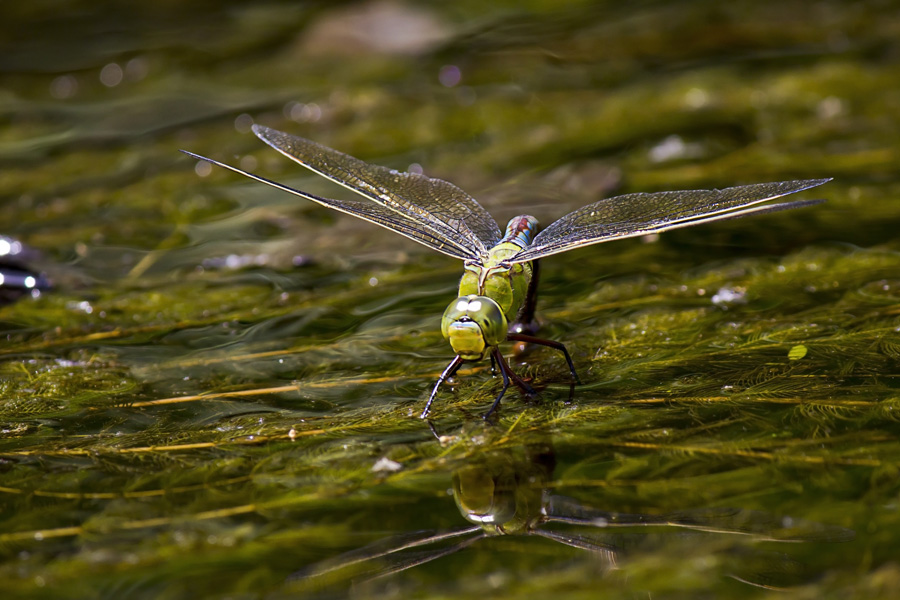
<point x="491" y="292"/>
<point x="504" y="285"/>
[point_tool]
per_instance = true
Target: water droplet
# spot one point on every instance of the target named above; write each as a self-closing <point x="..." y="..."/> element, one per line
<point x="243" y="123"/>
<point x="450" y="75"/>
<point x="111" y="75"/>
<point x="64" y="86"/>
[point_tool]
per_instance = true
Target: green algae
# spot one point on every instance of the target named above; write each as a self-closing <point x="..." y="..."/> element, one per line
<point x="199" y="406"/>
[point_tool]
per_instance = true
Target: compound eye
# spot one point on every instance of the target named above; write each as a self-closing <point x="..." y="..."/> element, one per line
<point x="481" y="310"/>
<point x="489" y="317"/>
<point x="458" y="309"/>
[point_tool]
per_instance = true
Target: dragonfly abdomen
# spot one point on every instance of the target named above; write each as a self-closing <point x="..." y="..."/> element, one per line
<point x="520" y="231"/>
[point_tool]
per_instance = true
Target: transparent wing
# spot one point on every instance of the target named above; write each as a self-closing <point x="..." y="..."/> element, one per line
<point x="374" y="213"/>
<point x="643" y="213"/>
<point x="446" y="211"/>
<point x="759" y="526"/>
<point x="390" y="555"/>
<point x="605" y="550"/>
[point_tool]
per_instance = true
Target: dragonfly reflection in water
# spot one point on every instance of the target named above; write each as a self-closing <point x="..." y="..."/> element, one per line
<point x="497" y="292"/>
<point x="511" y="492"/>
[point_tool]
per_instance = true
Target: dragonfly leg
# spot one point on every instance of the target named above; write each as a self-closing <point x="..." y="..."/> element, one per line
<point x="525" y="322"/>
<point x="493" y="365"/>
<point x="503" y="370"/>
<point x="527" y="389"/>
<point x="508" y="374"/>
<point x="451" y="369"/>
<point x="519" y="337"/>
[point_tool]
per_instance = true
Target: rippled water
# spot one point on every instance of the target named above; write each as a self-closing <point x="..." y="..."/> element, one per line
<point x="211" y="389"/>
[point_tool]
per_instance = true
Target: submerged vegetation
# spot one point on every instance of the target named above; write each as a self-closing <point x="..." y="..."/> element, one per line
<point x="221" y="388"/>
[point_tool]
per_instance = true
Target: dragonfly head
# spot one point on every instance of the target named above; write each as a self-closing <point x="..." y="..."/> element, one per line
<point x="473" y="324"/>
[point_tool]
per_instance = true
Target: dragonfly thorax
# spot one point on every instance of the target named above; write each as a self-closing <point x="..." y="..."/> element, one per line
<point x="504" y="285"/>
<point x="473" y="324"/>
<point x="493" y="276"/>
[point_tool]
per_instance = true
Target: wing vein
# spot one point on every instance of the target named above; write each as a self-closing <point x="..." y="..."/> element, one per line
<point x="443" y="208"/>
<point x="373" y="213"/>
<point x="644" y="213"/>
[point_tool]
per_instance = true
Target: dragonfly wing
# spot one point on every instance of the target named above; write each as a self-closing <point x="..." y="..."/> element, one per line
<point x="441" y="207"/>
<point x="374" y="213"/>
<point x="390" y="555"/>
<point x="756" y="525"/>
<point x="644" y="213"/>
<point x="607" y="550"/>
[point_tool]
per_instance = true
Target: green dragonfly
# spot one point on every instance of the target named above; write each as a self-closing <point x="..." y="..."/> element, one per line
<point x="497" y="292"/>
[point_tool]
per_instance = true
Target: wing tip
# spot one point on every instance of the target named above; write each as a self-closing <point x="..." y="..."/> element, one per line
<point x="262" y="132"/>
<point x="193" y="155"/>
<point x="801" y="185"/>
<point x="211" y="161"/>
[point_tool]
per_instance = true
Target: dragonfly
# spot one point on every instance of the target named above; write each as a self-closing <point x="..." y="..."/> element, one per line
<point x="498" y="289"/>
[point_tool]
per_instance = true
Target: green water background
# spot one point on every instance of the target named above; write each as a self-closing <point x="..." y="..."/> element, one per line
<point x="198" y="407"/>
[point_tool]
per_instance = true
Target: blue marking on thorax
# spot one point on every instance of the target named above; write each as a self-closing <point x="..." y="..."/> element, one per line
<point x="520" y="230"/>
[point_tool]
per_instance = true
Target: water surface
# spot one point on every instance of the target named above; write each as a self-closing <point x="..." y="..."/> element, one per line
<point x="221" y="388"/>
